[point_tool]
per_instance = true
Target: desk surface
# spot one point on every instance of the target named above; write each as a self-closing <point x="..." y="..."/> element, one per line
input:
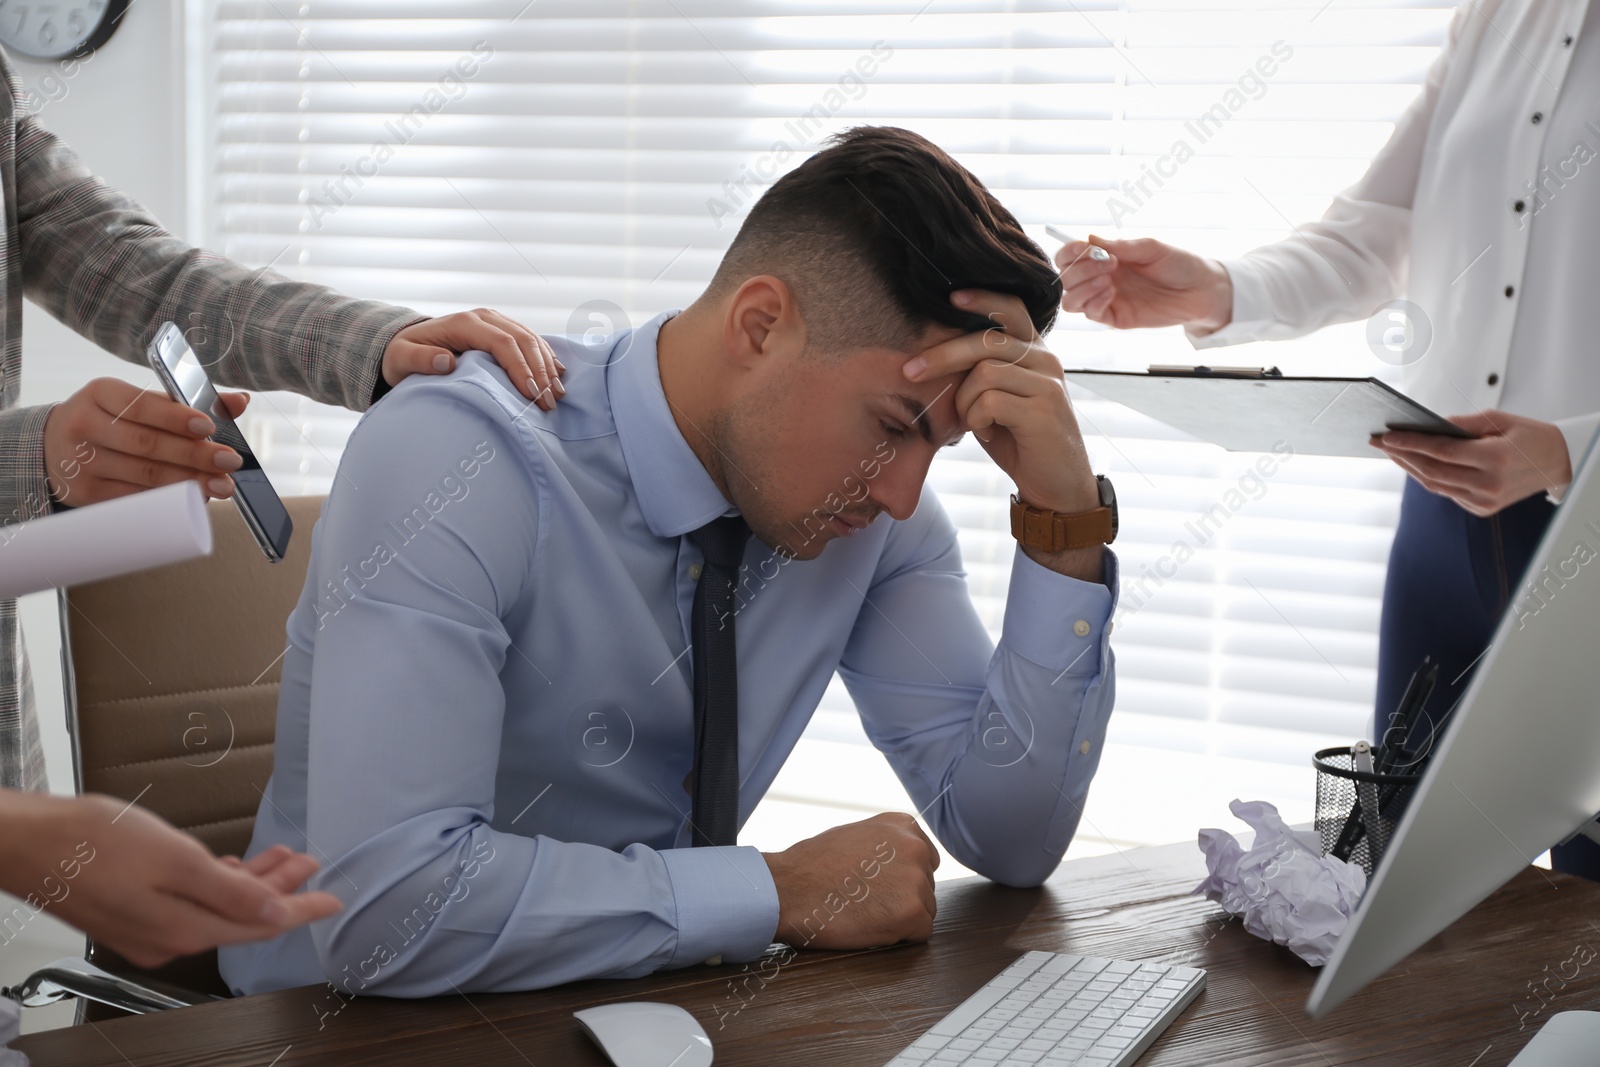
<point x="1460" y="1000"/>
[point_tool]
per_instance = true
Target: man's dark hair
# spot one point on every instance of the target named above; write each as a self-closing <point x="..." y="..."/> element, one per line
<point x="873" y="234"/>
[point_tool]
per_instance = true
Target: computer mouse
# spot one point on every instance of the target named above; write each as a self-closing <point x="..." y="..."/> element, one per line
<point x="644" y="1034"/>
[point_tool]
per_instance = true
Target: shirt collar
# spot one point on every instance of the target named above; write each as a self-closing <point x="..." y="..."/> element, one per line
<point x="675" y="493"/>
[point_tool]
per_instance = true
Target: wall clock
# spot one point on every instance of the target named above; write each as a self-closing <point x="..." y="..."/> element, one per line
<point x="59" y="30"/>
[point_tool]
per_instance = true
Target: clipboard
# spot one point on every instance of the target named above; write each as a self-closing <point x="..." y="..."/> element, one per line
<point x="1250" y="409"/>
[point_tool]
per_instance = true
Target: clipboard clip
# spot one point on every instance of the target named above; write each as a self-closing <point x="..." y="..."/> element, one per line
<point x="1214" y="372"/>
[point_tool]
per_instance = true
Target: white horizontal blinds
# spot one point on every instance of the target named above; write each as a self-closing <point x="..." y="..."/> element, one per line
<point x="604" y="151"/>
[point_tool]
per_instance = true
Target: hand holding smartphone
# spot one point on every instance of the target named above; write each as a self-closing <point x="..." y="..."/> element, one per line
<point x="186" y="382"/>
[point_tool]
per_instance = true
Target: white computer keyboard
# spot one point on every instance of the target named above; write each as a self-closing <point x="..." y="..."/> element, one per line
<point x="1050" y="1008"/>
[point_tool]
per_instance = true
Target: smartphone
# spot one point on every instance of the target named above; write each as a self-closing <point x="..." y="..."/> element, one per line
<point x="186" y="382"/>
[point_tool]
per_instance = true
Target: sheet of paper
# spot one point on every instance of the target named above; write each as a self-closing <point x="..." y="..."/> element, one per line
<point x="1283" y="888"/>
<point x="133" y="533"/>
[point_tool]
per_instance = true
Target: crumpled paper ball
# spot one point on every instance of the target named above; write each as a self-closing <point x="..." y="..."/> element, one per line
<point x="1283" y="888"/>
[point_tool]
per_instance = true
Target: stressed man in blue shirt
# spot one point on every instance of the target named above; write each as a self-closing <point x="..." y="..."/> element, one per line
<point x="547" y="662"/>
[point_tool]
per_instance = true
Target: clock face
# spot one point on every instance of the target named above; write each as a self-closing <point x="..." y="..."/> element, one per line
<point x="58" y="30"/>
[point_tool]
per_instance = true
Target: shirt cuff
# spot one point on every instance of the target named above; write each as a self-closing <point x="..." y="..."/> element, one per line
<point x="727" y="903"/>
<point x="1579" y="432"/>
<point x="1058" y="622"/>
<point x="1251" y="311"/>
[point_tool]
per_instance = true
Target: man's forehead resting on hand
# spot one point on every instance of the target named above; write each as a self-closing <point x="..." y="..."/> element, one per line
<point x="788" y="375"/>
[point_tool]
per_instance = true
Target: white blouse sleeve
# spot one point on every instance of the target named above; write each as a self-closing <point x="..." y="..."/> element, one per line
<point x="1346" y="264"/>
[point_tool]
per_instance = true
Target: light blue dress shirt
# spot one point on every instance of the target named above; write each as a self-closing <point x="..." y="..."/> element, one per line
<point x="486" y="721"/>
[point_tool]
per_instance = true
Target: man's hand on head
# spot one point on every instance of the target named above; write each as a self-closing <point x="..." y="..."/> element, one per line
<point x="431" y="346"/>
<point x="1014" y="400"/>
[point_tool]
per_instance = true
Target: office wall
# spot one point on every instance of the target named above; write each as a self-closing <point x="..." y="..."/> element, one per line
<point x="123" y="113"/>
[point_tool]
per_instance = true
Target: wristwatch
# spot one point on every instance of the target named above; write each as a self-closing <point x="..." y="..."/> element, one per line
<point x="1051" y="531"/>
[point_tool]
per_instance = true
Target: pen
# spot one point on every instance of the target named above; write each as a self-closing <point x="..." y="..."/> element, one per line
<point x="1363" y="810"/>
<point x="1420" y="707"/>
<point x="1095" y="252"/>
<point x="1397" y="737"/>
<point x="1350" y="832"/>
<point x="1392" y="789"/>
<point x="1403" y="722"/>
<point x="1368" y="793"/>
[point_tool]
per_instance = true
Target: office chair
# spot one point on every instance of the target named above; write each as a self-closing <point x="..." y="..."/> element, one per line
<point x="171" y="680"/>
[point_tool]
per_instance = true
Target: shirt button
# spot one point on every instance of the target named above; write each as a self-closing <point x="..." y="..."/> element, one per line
<point x="1081" y="628"/>
<point x="1538" y="117"/>
<point x="1511" y="291"/>
<point x="1083" y="749"/>
<point x="1494" y="379"/>
<point x="694" y="571"/>
<point x="1518" y="207"/>
<point x="1567" y="40"/>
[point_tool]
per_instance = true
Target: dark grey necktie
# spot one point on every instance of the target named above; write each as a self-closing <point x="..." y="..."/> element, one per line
<point x="715" y="783"/>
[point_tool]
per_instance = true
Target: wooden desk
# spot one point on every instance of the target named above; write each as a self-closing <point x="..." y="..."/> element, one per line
<point x="1459" y="1001"/>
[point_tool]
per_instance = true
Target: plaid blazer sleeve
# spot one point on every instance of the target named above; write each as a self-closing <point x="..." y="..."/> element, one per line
<point x="23" y="493"/>
<point x="99" y="262"/>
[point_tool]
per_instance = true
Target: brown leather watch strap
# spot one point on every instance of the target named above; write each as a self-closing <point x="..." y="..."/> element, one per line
<point x="1051" y="531"/>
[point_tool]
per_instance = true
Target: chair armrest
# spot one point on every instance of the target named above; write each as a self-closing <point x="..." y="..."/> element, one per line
<point x="72" y="977"/>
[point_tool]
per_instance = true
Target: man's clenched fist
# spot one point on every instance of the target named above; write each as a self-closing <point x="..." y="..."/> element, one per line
<point x="862" y="885"/>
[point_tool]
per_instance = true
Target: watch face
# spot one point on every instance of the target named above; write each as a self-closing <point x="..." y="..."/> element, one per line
<point x="57" y="31"/>
<point x="1108" y="499"/>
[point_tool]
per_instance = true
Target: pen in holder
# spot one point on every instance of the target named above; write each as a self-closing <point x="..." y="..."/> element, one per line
<point x="1362" y="790"/>
<point x="1346" y="827"/>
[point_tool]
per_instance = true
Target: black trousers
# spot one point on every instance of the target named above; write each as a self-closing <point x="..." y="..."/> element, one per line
<point x="1451" y="577"/>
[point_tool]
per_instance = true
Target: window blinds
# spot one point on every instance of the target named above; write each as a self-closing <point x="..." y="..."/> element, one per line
<point x="581" y="166"/>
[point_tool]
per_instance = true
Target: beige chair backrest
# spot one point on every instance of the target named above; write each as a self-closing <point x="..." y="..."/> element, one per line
<point x="171" y="681"/>
<point x="172" y="678"/>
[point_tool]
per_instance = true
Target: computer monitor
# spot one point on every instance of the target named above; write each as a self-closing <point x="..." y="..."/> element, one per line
<point x="1517" y="769"/>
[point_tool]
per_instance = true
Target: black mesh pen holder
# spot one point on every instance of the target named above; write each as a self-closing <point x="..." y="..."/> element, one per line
<point x="1340" y="788"/>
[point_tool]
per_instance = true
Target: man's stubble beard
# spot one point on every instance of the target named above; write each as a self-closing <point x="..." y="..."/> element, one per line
<point x="748" y="478"/>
